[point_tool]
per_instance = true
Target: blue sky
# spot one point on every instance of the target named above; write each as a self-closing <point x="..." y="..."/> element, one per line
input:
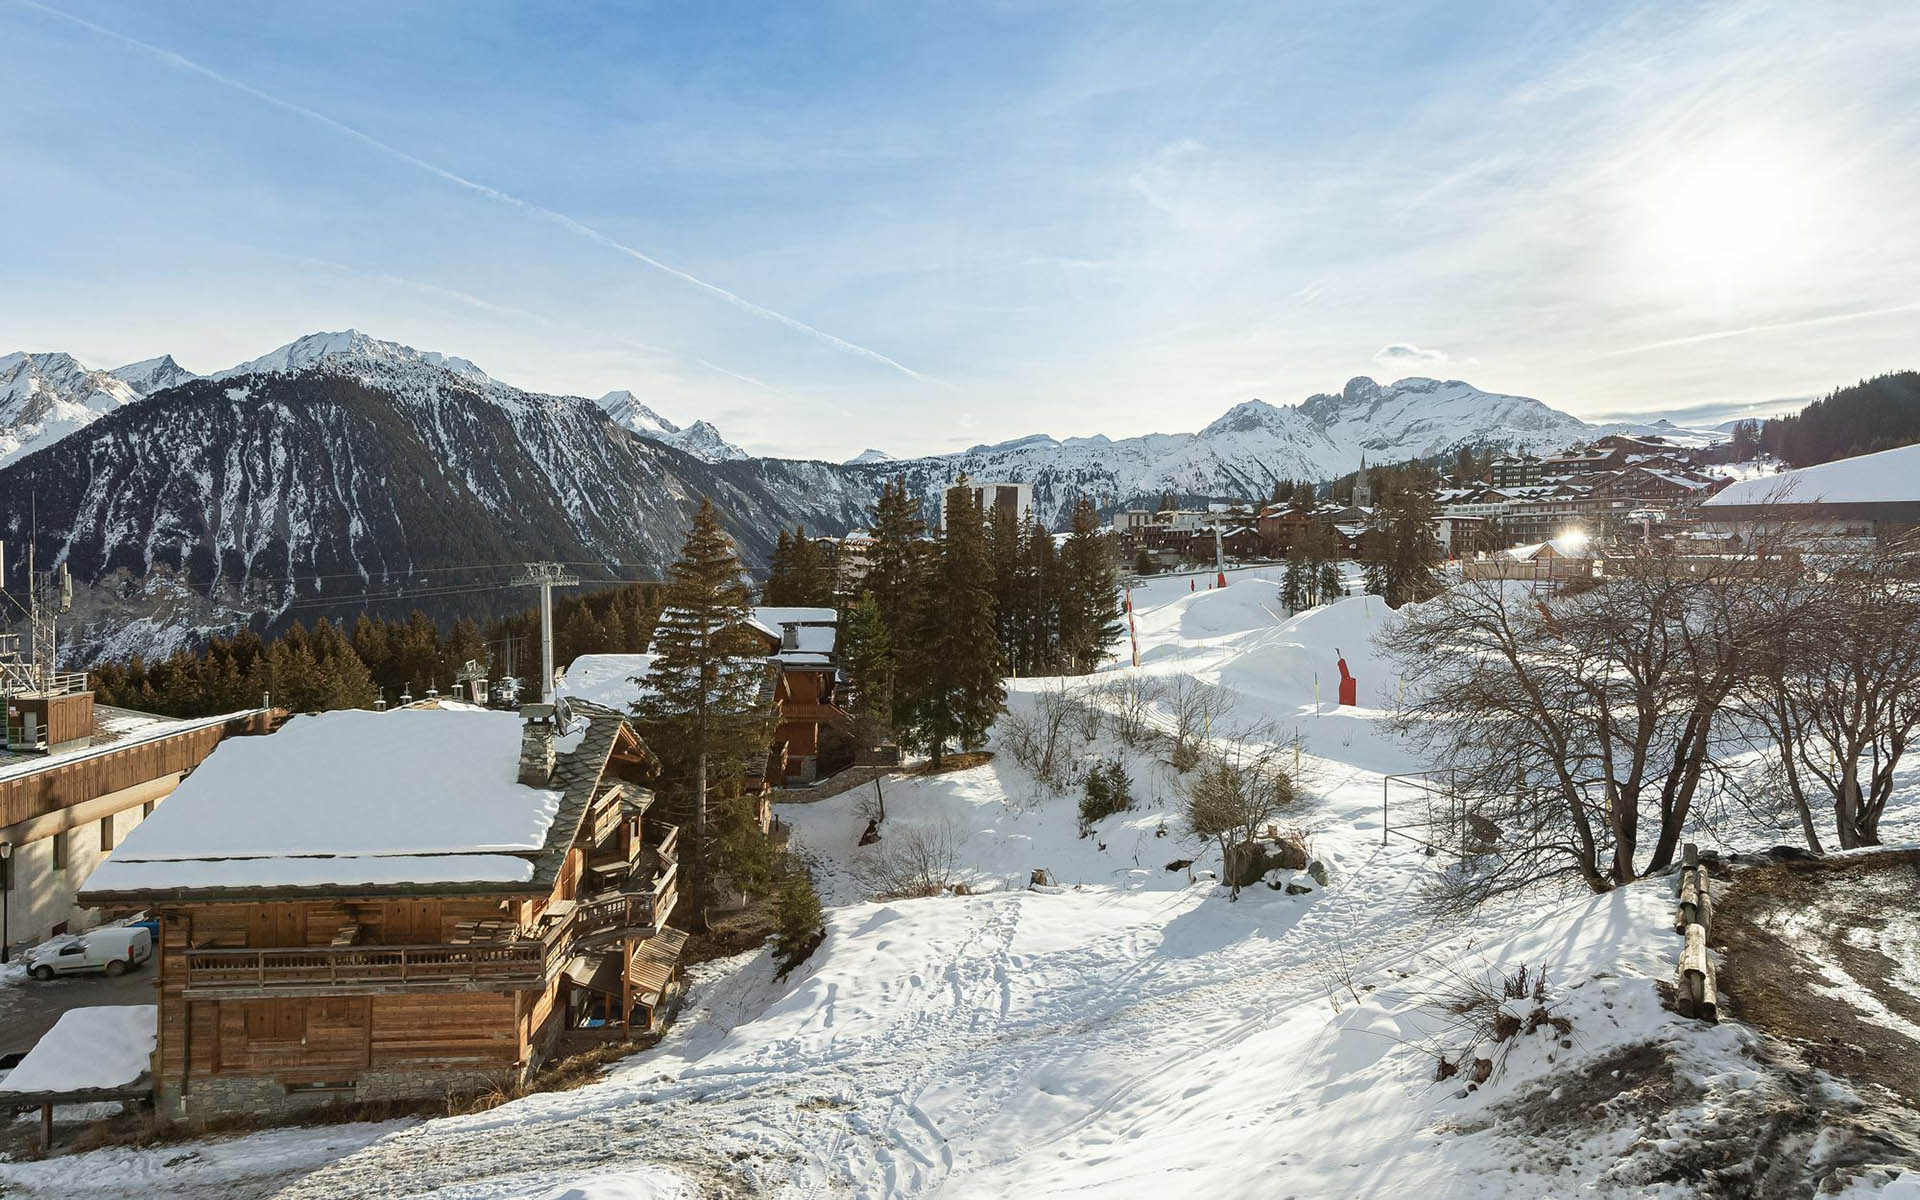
<point x="918" y="227"/>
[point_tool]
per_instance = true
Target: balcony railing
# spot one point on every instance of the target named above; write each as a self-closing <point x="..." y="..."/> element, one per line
<point x="357" y="970"/>
<point x="630" y="912"/>
<point x="632" y="909"/>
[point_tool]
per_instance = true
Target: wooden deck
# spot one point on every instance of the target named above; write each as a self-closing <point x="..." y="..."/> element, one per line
<point x="487" y="960"/>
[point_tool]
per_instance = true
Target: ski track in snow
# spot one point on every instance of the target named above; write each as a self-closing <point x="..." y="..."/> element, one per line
<point x="1149" y="1038"/>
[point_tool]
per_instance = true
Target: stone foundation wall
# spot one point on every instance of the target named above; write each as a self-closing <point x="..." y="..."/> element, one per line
<point x="268" y="1098"/>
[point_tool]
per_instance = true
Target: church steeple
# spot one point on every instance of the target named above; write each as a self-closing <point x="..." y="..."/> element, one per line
<point x="1362" y="494"/>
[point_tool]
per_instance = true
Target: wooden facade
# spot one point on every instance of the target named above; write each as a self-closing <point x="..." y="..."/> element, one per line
<point x="68" y="782"/>
<point x="280" y="997"/>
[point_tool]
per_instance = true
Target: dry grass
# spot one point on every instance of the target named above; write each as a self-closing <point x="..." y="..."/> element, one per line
<point x="964" y="761"/>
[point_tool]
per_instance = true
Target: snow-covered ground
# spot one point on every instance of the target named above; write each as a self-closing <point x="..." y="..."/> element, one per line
<point x="1130" y="1033"/>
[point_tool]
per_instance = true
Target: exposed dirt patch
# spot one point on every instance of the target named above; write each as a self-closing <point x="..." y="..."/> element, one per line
<point x="732" y="933"/>
<point x="1820" y="952"/>
<point x="1777" y="1131"/>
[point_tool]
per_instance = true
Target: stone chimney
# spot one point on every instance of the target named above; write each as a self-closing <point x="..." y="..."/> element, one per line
<point x="537" y="731"/>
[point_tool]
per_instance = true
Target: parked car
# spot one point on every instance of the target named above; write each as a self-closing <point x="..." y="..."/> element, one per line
<point x="114" y="949"/>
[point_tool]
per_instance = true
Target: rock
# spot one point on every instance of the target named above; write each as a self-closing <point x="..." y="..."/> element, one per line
<point x="1318" y="870"/>
<point x="1482" y="1069"/>
<point x="1041" y="878"/>
<point x="1180" y="864"/>
<point x="1483" y="836"/>
<point x="1299" y="889"/>
<point x="1289" y="852"/>
<point x="872" y="834"/>
<point x="1246" y="862"/>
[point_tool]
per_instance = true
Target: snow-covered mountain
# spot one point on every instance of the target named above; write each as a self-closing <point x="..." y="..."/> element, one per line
<point x="869" y="455"/>
<point x="342" y="472"/>
<point x="1254" y="443"/>
<point x="45" y="397"/>
<point x="699" y="439"/>
<point x="151" y="375"/>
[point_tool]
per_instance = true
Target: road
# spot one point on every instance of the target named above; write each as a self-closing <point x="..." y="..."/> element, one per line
<point x="28" y="1008"/>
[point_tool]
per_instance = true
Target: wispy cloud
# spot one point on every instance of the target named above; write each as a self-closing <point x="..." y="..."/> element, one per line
<point x="562" y="219"/>
<point x="1405" y="354"/>
<point x="1721" y="335"/>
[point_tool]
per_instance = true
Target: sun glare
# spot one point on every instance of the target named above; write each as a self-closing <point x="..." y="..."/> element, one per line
<point x="1723" y="223"/>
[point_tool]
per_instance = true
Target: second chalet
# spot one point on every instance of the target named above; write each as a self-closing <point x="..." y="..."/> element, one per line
<point x="395" y="905"/>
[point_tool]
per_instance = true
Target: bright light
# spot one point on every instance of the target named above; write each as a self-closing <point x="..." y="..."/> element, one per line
<point x="1720" y="222"/>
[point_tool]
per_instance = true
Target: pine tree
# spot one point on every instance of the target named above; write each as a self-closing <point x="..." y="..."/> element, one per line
<point x="1035" y="588"/>
<point x="1297" y="581"/>
<point x="954" y="682"/>
<point x="1331" y="586"/>
<point x="1003" y="551"/>
<point x="703" y="706"/>
<point x="867" y="650"/>
<point x="897" y="529"/>
<point x="812" y="586"/>
<point x="779" y="589"/>
<point x="1089" y="598"/>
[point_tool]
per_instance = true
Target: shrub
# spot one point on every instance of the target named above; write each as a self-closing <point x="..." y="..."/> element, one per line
<point x="1108" y="791"/>
<point x="798" y="923"/>
<point x="910" y="860"/>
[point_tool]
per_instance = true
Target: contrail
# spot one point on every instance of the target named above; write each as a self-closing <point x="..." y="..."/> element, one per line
<point x="1723" y="334"/>
<point x="491" y="193"/>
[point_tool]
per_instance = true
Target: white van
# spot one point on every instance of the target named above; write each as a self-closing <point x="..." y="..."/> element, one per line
<point x="115" y="949"/>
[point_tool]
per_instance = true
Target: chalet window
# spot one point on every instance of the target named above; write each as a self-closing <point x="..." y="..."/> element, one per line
<point x="106" y="834"/>
<point x="60" y="851"/>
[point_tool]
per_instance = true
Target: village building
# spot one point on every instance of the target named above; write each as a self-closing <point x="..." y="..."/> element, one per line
<point x="810" y="736"/>
<point x="1515" y="471"/>
<point x="369" y="906"/>
<point x="1549" y="565"/>
<point x="76" y="779"/>
<point x="1868" y="496"/>
<point x="1016" y="499"/>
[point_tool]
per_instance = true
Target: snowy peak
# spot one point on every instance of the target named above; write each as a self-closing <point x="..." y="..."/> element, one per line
<point x="869" y="455"/>
<point x="699" y="439"/>
<point x="352" y="352"/>
<point x="151" y="375"/>
<point x="1251" y="415"/>
<point x="44" y="397"/>
<point x="626" y="409"/>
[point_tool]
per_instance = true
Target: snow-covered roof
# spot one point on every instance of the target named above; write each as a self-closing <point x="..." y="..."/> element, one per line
<point x="609" y="680"/>
<point x="352" y="797"/>
<point x="778" y="615"/>
<point x="1887" y="477"/>
<point x="116" y="729"/>
<point x="88" y="1049"/>
<point x="1566" y="546"/>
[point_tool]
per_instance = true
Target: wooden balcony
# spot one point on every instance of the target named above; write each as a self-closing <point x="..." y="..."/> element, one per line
<point x="635" y="903"/>
<point x="628" y="912"/>
<point x="364" y="970"/>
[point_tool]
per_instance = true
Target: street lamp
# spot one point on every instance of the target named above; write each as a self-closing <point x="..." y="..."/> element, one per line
<point x="6" y="901"/>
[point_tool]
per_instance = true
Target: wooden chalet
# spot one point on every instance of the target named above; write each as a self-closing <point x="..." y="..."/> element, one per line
<point x="391" y="905"/>
<point x="75" y="779"/>
<point x="813" y="735"/>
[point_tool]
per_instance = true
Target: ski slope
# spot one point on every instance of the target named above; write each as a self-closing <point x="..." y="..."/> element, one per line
<point x="1131" y="1034"/>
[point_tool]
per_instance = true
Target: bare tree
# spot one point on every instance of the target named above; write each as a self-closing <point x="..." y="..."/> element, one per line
<point x="1242" y="787"/>
<point x="912" y="860"/>
<point x="1839" y="692"/>
<point x="1570" y="720"/>
<point x="1047" y="737"/>
<point x="1128" y="699"/>
<point x="1193" y="705"/>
